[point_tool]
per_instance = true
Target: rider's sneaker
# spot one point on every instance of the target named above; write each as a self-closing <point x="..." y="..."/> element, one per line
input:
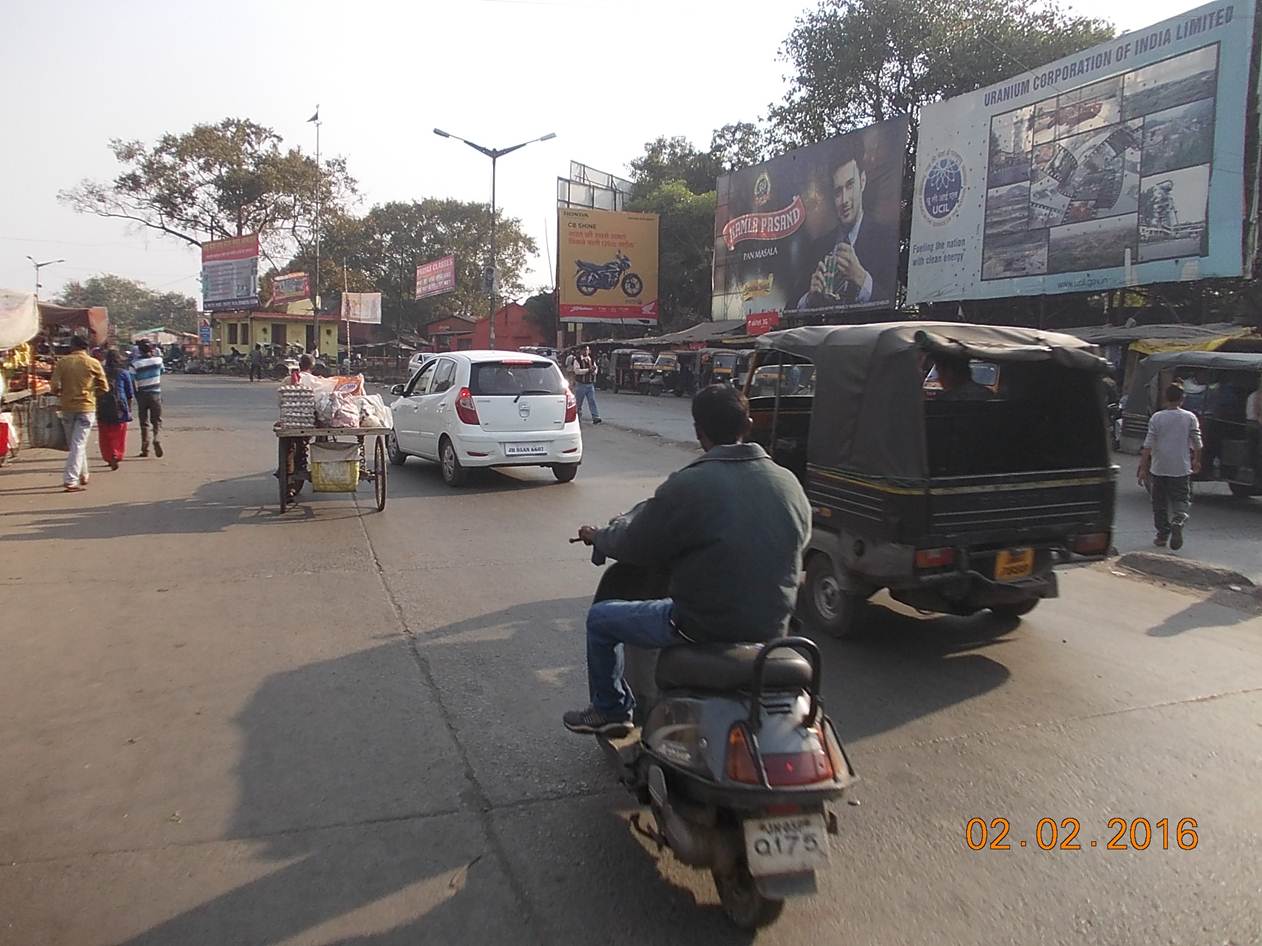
<point x="593" y="721"/>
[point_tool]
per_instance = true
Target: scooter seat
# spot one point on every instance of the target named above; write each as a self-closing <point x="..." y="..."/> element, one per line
<point x="728" y="667"/>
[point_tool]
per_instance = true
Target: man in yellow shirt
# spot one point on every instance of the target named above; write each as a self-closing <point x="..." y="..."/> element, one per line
<point x="76" y="380"/>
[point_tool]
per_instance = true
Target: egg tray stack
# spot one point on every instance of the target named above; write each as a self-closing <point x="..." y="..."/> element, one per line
<point x="297" y="406"/>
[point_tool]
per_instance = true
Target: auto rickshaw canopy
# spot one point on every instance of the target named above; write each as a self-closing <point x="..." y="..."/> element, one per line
<point x="867" y="414"/>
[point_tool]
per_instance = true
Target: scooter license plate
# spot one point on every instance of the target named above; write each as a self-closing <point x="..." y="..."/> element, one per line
<point x="786" y="845"/>
<point x="1012" y="564"/>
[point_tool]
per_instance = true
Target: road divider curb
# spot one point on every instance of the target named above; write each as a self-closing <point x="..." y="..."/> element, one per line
<point x="1187" y="572"/>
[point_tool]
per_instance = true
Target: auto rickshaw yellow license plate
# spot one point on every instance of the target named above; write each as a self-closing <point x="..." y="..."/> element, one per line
<point x="1011" y="564"/>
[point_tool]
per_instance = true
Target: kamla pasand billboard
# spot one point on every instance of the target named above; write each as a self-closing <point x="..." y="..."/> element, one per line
<point x="1119" y="166"/>
<point x="608" y="266"/>
<point x="812" y="230"/>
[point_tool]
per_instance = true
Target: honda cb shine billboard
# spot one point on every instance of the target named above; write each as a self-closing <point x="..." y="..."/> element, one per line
<point x="1117" y="166"/>
<point x="814" y="230"/>
<point x="607" y="266"/>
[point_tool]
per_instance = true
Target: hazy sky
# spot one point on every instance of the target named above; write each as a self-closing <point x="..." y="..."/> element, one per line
<point x="605" y="75"/>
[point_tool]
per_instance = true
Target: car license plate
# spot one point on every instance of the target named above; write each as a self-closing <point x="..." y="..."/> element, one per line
<point x="525" y="450"/>
<point x="1011" y="564"/>
<point x="785" y="845"/>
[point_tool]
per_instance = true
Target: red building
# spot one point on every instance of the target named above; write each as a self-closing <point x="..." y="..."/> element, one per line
<point x="513" y="330"/>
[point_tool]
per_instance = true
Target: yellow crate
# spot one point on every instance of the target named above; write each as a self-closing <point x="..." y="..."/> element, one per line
<point x="334" y="467"/>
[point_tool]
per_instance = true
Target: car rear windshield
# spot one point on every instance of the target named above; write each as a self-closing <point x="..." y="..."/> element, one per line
<point x="511" y="378"/>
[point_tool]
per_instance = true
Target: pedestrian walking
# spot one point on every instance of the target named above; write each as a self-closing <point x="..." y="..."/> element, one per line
<point x="256" y="363"/>
<point x="585" y="384"/>
<point x="113" y="410"/>
<point x="1171" y="454"/>
<point x="147" y="371"/>
<point x="76" y="380"/>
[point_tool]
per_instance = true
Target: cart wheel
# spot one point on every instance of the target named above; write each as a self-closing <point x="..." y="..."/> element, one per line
<point x="282" y="471"/>
<point x="379" y="472"/>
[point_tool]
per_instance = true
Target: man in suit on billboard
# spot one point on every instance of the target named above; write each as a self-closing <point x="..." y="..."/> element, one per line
<point x="858" y="260"/>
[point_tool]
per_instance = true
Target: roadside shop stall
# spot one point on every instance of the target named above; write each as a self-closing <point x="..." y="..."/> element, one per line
<point x="19" y="324"/>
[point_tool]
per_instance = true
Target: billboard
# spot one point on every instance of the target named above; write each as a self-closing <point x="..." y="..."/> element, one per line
<point x="587" y="187"/>
<point x="291" y="287"/>
<point x="812" y="230"/>
<point x="607" y="266"/>
<point x="1118" y="166"/>
<point x="230" y="274"/>
<point x="361" y="307"/>
<point x="436" y="277"/>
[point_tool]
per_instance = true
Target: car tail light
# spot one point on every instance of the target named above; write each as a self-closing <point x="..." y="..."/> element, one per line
<point x="934" y="558"/>
<point x="1093" y="543"/>
<point x="466" y="410"/>
<point x="741" y="766"/>
<point x="571" y="406"/>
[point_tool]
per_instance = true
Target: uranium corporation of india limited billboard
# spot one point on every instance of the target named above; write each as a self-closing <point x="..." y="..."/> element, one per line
<point x="1121" y="165"/>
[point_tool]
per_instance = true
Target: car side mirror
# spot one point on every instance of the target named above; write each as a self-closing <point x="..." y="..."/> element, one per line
<point x="397" y="390"/>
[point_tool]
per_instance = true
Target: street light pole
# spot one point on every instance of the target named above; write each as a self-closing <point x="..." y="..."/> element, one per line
<point x="38" y="267"/>
<point x="494" y="154"/>
<point x="315" y="308"/>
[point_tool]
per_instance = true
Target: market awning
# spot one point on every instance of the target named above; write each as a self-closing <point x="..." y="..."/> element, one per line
<point x="95" y="320"/>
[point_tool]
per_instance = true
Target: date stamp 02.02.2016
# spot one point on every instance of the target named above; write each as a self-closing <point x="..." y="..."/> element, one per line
<point x="1066" y="834"/>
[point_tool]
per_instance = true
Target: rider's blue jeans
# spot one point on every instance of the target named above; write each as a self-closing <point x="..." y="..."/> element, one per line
<point x="610" y="624"/>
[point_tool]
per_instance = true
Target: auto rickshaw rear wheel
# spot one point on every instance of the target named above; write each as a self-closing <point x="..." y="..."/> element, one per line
<point x="830" y="607"/>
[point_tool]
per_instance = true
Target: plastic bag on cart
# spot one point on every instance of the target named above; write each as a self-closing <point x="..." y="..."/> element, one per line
<point x="373" y="412"/>
<point x="336" y="410"/>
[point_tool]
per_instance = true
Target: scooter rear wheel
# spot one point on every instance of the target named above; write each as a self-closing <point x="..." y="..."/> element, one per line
<point x="741" y="901"/>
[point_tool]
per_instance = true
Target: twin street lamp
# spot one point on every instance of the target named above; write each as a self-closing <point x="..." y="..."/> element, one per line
<point x="38" y="266"/>
<point x="494" y="154"/>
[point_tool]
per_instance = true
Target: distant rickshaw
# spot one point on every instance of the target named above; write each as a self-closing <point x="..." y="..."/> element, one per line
<point x="623" y="368"/>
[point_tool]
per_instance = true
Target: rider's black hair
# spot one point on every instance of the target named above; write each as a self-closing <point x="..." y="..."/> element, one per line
<point x="720" y="412"/>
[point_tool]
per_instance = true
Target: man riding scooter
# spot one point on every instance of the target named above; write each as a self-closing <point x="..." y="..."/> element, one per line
<point x="730" y="528"/>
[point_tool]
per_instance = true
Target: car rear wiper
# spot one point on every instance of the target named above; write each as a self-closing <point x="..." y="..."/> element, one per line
<point x="520" y="394"/>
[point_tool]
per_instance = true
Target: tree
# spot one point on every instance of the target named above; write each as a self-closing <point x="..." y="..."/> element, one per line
<point x="132" y="305"/>
<point x="381" y="250"/>
<point x="218" y="181"/>
<point x="686" y="250"/>
<point x="674" y="159"/>
<point x="861" y="61"/>
<point x="541" y="310"/>
<point x="739" y="145"/>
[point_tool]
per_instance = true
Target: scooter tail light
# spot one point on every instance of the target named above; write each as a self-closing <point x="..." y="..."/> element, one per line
<point x="741" y="765"/>
<point x="571" y="407"/>
<point x="466" y="410"/>
<point x="798" y="768"/>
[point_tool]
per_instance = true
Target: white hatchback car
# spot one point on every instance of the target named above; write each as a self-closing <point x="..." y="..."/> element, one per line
<point x="487" y="408"/>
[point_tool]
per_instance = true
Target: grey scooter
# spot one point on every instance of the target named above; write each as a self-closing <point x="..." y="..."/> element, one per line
<point x="735" y="758"/>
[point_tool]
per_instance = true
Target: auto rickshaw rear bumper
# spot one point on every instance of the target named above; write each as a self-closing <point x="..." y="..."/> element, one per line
<point x="970" y="591"/>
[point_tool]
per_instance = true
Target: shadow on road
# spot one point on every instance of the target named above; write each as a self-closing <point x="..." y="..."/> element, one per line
<point x="352" y="786"/>
<point x="1219" y="609"/>
<point x="901" y="668"/>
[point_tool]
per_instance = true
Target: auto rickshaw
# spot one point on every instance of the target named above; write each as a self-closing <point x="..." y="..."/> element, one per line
<point x="626" y="366"/>
<point x="1217" y="387"/>
<point x="723" y="366"/>
<point x="664" y="375"/>
<point x="954" y="505"/>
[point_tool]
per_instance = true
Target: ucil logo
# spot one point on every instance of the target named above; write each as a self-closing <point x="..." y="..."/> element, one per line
<point x="943" y="187"/>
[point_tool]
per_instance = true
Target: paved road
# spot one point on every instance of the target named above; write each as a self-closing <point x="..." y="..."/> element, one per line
<point x="223" y="726"/>
<point x="1224" y="530"/>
